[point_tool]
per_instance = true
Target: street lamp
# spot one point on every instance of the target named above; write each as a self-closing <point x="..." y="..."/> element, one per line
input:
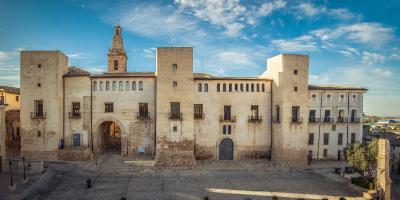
<point x="11" y="178"/>
<point x="23" y="164"/>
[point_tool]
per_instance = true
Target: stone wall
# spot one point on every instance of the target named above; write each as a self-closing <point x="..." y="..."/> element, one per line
<point x="75" y="154"/>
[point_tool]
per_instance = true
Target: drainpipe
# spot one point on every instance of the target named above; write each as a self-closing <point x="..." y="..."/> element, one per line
<point x="271" y="129"/>
<point x="63" y="111"/>
<point x="319" y="124"/>
<point x="155" y="117"/>
<point x="347" y="124"/>
<point x="91" y="112"/>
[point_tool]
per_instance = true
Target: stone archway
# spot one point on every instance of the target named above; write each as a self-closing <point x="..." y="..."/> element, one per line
<point x="109" y="135"/>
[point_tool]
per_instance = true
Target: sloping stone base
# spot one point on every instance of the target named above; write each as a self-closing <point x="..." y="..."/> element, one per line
<point x="175" y="159"/>
<point x="289" y="157"/>
<point x="40" y="155"/>
<point x="75" y="154"/>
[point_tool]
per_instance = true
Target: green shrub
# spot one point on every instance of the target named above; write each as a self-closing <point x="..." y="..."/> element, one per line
<point x="367" y="183"/>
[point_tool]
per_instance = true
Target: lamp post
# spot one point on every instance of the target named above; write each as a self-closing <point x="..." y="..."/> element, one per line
<point x="11" y="178"/>
<point x="23" y="165"/>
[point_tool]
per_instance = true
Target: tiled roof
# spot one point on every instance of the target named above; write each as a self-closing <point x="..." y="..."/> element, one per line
<point x="204" y="76"/>
<point x="125" y="74"/>
<point x="333" y="87"/>
<point x="75" y="71"/>
<point x="9" y="89"/>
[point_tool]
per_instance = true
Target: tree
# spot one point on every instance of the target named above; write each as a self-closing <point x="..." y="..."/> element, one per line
<point x="363" y="158"/>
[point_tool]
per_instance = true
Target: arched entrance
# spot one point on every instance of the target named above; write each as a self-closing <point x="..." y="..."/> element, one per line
<point x="109" y="136"/>
<point x="226" y="149"/>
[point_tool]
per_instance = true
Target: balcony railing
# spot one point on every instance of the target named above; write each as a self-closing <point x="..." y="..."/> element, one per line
<point x="255" y="118"/>
<point x="143" y="115"/>
<point x="327" y="120"/>
<point x="227" y="118"/>
<point x="199" y="115"/>
<point x="296" y="120"/>
<point x="354" y="120"/>
<point x="175" y="116"/>
<point x="313" y="120"/>
<point x="74" y="115"/>
<point x="341" y="120"/>
<point x="276" y="119"/>
<point x="36" y="115"/>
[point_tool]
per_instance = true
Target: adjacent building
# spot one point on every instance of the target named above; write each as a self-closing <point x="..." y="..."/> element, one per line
<point x="177" y="116"/>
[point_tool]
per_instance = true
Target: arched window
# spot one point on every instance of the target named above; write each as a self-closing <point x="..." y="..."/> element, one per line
<point x="229" y="129"/>
<point x="199" y="88"/>
<point x="140" y="85"/>
<point x="224" y="129"/>
<point x="218" y="87"/>
<point x="95" y="86"/>
<point x="252" y="87"/>
<point x="121" y="86"/>
<point x="205" y="87"/>
<point x="134" y="86"/>
<point x="241" y="87"/>
<point x="258" y="87"/>
<point x="236" y="87"/>
<point x="230" y="87"/>
<point x="101" y="85"/>
<point x="224" y="87"/>
<point x="127" y="85"/>
<point x="114" y="86"/>
<point x="115" y="64"/>
<point x="263" y="87"/>
<point x="247" y="87"/>
<point x="107" y="85"/>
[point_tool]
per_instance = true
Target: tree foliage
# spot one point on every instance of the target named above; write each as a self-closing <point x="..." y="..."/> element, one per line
<point x="362" y="158"/>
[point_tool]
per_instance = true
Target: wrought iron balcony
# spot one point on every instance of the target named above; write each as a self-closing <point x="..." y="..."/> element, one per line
<point x="37" y="115"/>
<point x="296" y="120"/>
<point x="175" y="116"/>
<point x="223" y="118"/>
<point x="257" y="118"/>
<point x="328" y="120"/>
<point x="341" y="120"/>
<point x="354" y="120"/>
<point x="313" y="120"/>
<point x="143" y="115"/>
<point x="276" y="119"/>
<point x="199" y="115"/>
<point x="74" y="115"/>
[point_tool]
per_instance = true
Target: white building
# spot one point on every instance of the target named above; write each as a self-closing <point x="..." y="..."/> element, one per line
<point x="177" y="116"/>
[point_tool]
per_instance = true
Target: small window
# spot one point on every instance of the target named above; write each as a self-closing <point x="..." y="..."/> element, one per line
<point x="354" y="97"/>
<point x="114" y="86"/>
<point x="295" y="114"/>
<point x="252" y="87"/>
<point x="109" y="107"/>
<point x="134" y="86"/>
<point x="263" y="87"/>
<point x="17" y="98"/>
<point x="76" y="109"/>
<point x="175" y="110"/>
<point x="174" y="84"/>
<point x="340" y="138"/>
<point x="236" y="87"/>
<point x="342" y="96"/>
<point x="115" y="64"/>
<point x="230" y="87"/>
<point x="140" y="85"/>
<point x="224" y="87"/>
<point x="127" y="85"/>
<point x="108" y="86"/>
<point x="198" y="111"/>
<point x="314" y="97"/>
<point x="175" y="128"/>
<point x="328" y="97"/>
<point x="258" y="87"/>
<point x="254" y="111"/>
<point x="39" y="66"/>
<point x="311" y="139"/>
<point x="224" y="129"/>
<point x="229" y="129"/>
<point x="295" y="89"/>
<point x="295" y="72"/>
<point x="218" y="87"/>
<point x="101" y="86"/>
<point x="39" y="85"/>
<point x="326" y="138"/>
<point x="39" y="133"/>
<point x="94" y="86"/>
<point x="199" y="87"/>
<point x="143" y="110"/>
<point x="205" y="87"/>
<point x="241" y="87"/>
<point x="121" y="86"/>
<point x="174" y="66"/>
<point x="247" y="87"/>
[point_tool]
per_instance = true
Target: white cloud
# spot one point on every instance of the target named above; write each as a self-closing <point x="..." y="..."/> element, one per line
<point x="235" y="57"/>
<point x="312" y="11"/>
<point x="371" y="57"/>
<point x="80" y="56"/>
<point x="302" y="43"/>
<point x="343" y="14"/>
<point x="382" y="72"/>
<point x="309" y="10"/>
<point x="228" y="14"/>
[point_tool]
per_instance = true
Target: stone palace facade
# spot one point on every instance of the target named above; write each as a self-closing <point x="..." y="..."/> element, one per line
<point x="176" y="116"/>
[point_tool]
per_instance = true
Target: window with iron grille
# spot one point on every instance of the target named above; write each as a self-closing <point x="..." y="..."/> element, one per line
<point x="39" y="108"/>
<point x="254" y="111"/>
<point x="311" y="139"/>
<point x="227" y="112"/>
<point x="175" y="110"/>
<point x="198" y="110"/>
<point x="143" y="110"/>
<point x="109" y="107"/>
<point x="326" y="138"/>
<point x="295" y="113"/>
<point x="76" y="108"/>
<point x="340" y="138"/>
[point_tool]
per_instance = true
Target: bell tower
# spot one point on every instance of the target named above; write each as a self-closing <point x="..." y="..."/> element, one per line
<point x="117" y="58"/>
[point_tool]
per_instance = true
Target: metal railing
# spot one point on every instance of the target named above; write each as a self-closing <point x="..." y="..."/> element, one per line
<point x="143" y="115"/>
<point x="175" y="116"/>
<point x="327" y="120"/>
<point x="37" y="115"/>
<point x="223" y="118"/>
<point x="257" y="118"/>
<point x="74" y="115"/>
<point x="276" y="119"/>
<point x="296" y="120"/>
<point x="199" y="115"/>
<point x="354" y="120"/>
<point x="341" y="120"/>
<point x="313" y="120"/>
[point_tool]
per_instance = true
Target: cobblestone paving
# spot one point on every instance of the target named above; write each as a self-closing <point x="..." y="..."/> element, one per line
<point x="113" y="179"/>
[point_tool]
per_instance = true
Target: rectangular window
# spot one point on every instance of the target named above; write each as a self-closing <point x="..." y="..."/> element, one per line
<point x="109" y="107"/>
<point x="327" y="116"/>
<point x="39" y="108"/>
<point x="353" y="115"/>
<point x="326" y="138"/>
<point x="340" y="139"/>
<point x="353" y="138"/>
<point x="227" y="112"/>
<point x="295" y="113"/>
<point x="198" y="111"/>
<point x="16" y="98"/>
<point x="175" y="110"/>
<point x="295" y="72"/>
<point x="174" y="84"/>
<point x="2" y="102"/>
<point x="76" y="139"/>
<point x="311" y="139"/>
<point x="341" y="116"/>
<point x="76" y="109"/>
<point x="311" y="116"/>
<point x="254" y="111"/>
<point x="174" y="66"/>
<point x="143" y="110"/>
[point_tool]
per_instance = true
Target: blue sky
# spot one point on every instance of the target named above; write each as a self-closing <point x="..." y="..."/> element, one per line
<point x="349" y="42"/>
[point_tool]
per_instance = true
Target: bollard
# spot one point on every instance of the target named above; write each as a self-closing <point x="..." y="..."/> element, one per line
<point x="88" y="183"/>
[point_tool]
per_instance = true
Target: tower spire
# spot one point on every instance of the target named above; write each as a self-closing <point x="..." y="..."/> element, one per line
<point x="117" y="58"/>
